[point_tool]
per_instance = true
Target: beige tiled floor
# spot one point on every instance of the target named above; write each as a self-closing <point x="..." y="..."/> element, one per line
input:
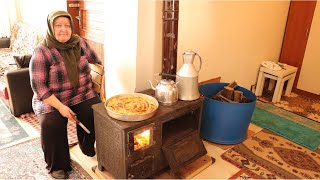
<point x="220" y="169"/>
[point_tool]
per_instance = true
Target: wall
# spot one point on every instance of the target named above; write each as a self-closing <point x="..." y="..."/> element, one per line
<point x="132" y="44"/>
<point x="120" y="46"/>
<point x="232" y="37"/>
<point x="149" y="49"/>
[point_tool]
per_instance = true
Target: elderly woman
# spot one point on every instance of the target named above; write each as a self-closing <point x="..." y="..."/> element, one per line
<point x="61" y="82"/>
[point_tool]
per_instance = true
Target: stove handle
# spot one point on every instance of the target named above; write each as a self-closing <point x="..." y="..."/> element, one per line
<point x="130" y="149"/>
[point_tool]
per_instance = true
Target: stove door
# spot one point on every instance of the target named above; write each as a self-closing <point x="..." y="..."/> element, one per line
<point x="184" y="151"/>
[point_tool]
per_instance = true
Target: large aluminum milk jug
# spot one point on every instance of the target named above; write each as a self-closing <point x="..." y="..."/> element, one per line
<point x="187" y="77"/>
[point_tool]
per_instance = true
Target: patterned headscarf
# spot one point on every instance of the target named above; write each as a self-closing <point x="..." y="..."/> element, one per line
<point x="69" y="50"/>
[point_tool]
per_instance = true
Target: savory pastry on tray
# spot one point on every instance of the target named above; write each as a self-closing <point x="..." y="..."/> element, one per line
<point x="133" y="105"/>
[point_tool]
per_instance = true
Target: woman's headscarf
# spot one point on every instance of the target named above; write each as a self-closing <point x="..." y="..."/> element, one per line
<point x="69" y="50"/>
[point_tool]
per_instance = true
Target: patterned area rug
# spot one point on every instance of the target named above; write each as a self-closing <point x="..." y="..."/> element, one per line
<point x="32" y="119"/>
<point x="11" y="131"/>
<point x="241" y="175"/>
<point x="296" y="103"/>
<point x="294" y="127"/>
<point x="26" y="161"/>
<point x="270" y="156"/>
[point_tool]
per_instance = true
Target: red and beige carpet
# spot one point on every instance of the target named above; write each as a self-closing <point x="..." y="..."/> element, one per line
<point x="296" y="103"/>
<point x="269" y="156"/>
<point x="26" y="161"/>
<point x="21" y="154"/>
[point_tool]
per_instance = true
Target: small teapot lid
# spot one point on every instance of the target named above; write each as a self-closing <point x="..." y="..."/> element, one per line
<point x="167" y="81"/>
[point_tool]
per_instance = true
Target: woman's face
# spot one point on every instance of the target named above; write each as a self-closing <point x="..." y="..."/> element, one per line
<point x="62" y="29"/>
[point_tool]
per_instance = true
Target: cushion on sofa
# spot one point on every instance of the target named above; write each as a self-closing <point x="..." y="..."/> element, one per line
<point x="22" y="61"/>
<point x="24" y="38"/>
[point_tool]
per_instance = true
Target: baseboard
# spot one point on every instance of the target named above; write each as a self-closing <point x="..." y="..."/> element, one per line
<point x="305" y="93"/>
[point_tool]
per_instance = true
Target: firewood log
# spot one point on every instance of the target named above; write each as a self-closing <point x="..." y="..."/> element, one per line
<point x="231" y="85"/>
<point x="237" y="96"/>
<point x="223" y="99"/>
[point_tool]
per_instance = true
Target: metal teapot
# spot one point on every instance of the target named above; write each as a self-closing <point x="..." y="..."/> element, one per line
<point x="166" y="91"/>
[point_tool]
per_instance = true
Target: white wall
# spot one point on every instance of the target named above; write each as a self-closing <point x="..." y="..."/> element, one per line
<point x="232" y="37"/>
<point x="120" y="46"/>
<point x="132" y="44"/>
<point x="149" y="50"/>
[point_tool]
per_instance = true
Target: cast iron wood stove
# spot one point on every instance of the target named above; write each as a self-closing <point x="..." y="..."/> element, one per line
<point x="142" y="148"/>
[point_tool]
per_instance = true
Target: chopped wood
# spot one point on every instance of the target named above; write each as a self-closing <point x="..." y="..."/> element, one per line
<point x="237" y="96"/>
<point x="224" y="99"/>
<point x="245" y="100"/>
<point x="231" y="85"/>
<point x="229" y="94"/>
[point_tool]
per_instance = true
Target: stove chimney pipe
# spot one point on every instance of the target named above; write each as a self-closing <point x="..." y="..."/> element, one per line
<point x="170" y="38"/>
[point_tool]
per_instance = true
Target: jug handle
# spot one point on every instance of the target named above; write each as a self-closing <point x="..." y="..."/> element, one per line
<point x="200" y="62"/>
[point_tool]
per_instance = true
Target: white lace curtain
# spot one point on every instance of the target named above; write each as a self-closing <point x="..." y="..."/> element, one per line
<point x="12" y="11"/>
<point x="9" y="14"/>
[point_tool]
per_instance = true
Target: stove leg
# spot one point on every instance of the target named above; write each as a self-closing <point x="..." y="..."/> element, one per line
<point x="94" y="168"/>
<point x="100" y="167"/>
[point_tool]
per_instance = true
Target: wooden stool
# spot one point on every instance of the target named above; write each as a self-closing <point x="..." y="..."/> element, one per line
<point x="287" y="73"/>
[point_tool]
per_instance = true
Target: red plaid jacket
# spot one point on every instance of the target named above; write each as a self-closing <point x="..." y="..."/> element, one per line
<point x="48" y="76"/>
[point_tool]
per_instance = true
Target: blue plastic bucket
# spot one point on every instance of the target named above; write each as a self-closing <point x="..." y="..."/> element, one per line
<point x="224" y="122"/>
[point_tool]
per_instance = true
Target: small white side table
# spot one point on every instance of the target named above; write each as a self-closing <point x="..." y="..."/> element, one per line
<point x="281" y="76"/>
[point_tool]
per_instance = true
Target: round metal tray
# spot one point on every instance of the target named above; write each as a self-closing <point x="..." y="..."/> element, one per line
<point x="132" y="117"/>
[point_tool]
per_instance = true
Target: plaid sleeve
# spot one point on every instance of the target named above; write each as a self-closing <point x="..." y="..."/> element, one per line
<point x="39" y="73"/>
<point x="89" y="52"/>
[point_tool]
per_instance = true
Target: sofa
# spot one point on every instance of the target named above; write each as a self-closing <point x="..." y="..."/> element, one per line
<point x="15" y="89"/>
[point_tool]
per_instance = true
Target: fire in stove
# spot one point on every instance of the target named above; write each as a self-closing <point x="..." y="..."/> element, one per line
<point x="141" y="140"/>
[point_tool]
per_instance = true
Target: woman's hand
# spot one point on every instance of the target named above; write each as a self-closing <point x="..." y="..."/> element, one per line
<point x="66" y="112"/>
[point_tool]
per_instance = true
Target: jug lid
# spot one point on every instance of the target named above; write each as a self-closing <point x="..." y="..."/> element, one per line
<point x="189" y="52"/>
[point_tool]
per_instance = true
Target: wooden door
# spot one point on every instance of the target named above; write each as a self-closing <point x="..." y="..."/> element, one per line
<point x="73" y="10"/>
<point x="296" y="34"/>
<point x="89" y="24"/>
